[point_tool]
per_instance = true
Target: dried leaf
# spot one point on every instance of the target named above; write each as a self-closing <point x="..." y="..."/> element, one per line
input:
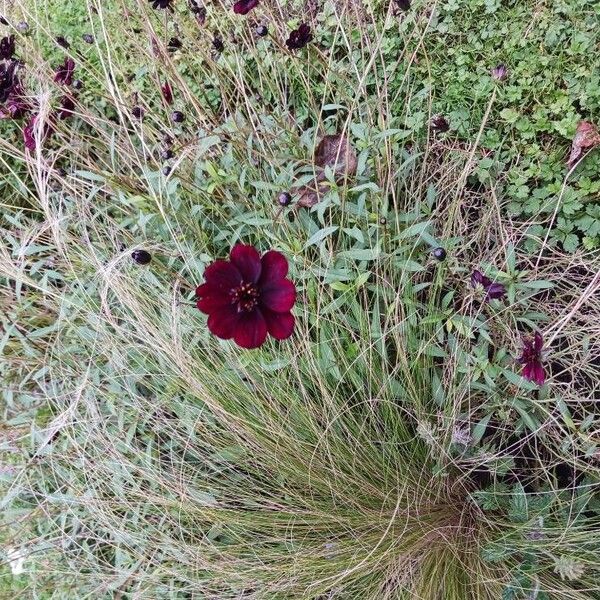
<point x="586" y="138"/>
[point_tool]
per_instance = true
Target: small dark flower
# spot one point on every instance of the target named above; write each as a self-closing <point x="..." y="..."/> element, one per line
<point x="7" y="47"/>
<point x="493" y="290"/>
<point x="439" y="254"/>
<point x="383" y="221"/>
<point x="166" y="154"/>
<point x="78" y="84"/>
<point x="217" y="44"/>
<point x="67" y="106"/>
<point x="64" y="73"/>
<point x="299" y="37"/>
<point x="62" y="42"/>
<point x="88" y="38"/>
<point x="16" y="104"/>
<point x="243" y="7"/>
<point x="262" y="30"/>
<point x="174" y="44"/>
<point x="439" y="124"/>
<point x="403" y="4"/>
<point x="29" y="132"/>
<point x="8" y="79"/>
<point x="137" y="112"/>
<point x="22" y="26"/>
<point x="3" y="21"/>
<point x="500" y="73"/>
<point x="248" y="297"/>
<point x="167" y="92"/>
<point x="141" y="257"/>
<point x="160" y="3"/>
<point x="531" y="359"/>
<point x="284" y="198"/>
<point x="166" y="171"/>
<point x="177" y="116"/>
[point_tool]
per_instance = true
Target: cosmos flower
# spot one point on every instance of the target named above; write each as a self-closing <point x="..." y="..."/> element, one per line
<point x="64" y="73"/>
<point x="160" y="3"/>
<point x="67" y="106"/>
<point x="439" y="124"/>
<point x="243" y="7"/>
<point x="16" y="104"/>
<point x="7" y="47"/>
<point x="493" y="290"/>
<point x="248" y="297"/>
<point x="8" y="79"/>
<point x="299" y="37"/>
<point x="29" y="132"/>
<point x="531" y="359"/>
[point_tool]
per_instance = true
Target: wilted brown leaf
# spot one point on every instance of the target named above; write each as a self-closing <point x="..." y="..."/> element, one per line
<point x="336" y="152"/>
<point x="586" y="137"/>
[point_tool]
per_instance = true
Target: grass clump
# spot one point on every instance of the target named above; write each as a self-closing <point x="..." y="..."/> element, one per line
<point x="390" y="448"/>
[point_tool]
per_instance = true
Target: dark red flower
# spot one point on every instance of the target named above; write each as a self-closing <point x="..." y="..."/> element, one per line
<point x="243" y="7"/>
<point x="29" y="132"/>
<point x="17" y="104"/>
<point x="8" y="79"/>
<point x="64" y="73"/>
<point x="160" y="3"/>
<point x="531" y="359"/>
<point x="299" y="37"/>
<point x="248" y="296"/>
<point x="67" y="106"/>
<point x="167" y="92"/>
<point x="493" y="290"/>
<point x="7" y="47"/>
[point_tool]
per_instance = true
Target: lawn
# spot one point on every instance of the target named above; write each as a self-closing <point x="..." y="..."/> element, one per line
<point x="300" y="299"/>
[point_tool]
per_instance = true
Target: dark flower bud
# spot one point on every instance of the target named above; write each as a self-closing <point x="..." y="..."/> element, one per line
<point x="403" y="4"/>
<point x="78" y="84"/>
<point x="137" y="112"/>
<point x="217" y="44"/>
<point x="500" y="72"/>
<point x="284" y="198"/>
<point x="166" y="154"/>
<point x="88" y="38"/>
<point x="439" y="254"/>
<point x="3" y="21"/>
<point x="262" y="30"/>
<point x="177" y="116"/>
<point x="62" y="42"/>
<point x="23" y="26"/>
<point x="174" y="44"/>
<point x="383" y="221"/>
<point x="166" y="171"/>
<point x="141" y="257"/>
<point x="439" y="124"/>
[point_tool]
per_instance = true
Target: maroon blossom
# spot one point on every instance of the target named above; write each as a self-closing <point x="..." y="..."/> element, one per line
<point x="64" y="73"/>
<point x="243" y="7"/>
<point x="7" y="47"/>
<point x="531" y="359"/>
<point x="67" y="106"/>
<point x="493" y="290"/>
<point x="248" y="296"/>
<point x="167" y="92"/>
<point x="299" y="37"/>
<point x="16" y="105"/>
<point x="30" y="130"/>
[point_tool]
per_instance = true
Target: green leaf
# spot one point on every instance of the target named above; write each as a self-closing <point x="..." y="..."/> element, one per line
<point x="320" y="235"/>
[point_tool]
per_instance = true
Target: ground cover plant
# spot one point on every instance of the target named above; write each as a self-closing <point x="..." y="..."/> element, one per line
<point x="299" y="300"/>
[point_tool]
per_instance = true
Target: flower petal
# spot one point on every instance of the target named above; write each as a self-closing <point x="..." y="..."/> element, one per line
<point x="224" y="322"/>
<point x="223" y="275"/>
<point x="279" y="325"/>
<point x="251" y="331"/>
<point x="209" y="303"/>
<point x="274" y="267"/>
<point x="538" y="342"/>
<point x="243" y="7"/>
<point x="278" y="297"/>
<point x="537" y="373"/>
<point x="496" y="290"/>
<point x="247" y="260"/>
